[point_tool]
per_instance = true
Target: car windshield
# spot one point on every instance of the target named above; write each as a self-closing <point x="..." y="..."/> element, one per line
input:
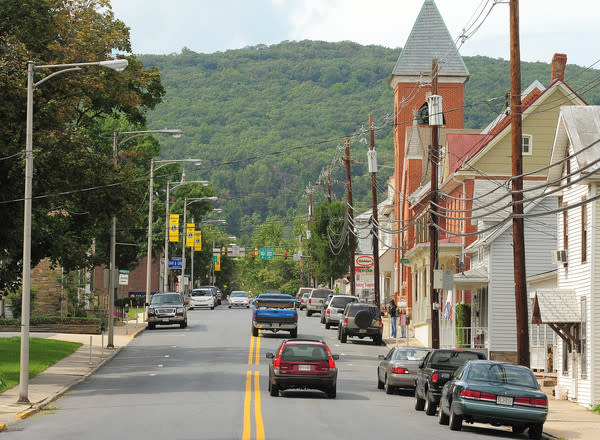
<point x="304" y="353"/>
<point x="166" y="299"/>
<point x="409" y="354"/>
<point x="451" y="359"/>
<point x="320" y="293"/>
<point x="201" y="293"/>
<point x="341" y="302"/>
<point x="508" y="374"/>
<point x="239" y="294"/>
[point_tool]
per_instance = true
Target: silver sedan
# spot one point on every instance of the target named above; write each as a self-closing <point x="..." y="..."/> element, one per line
<point x="398" y="369"/>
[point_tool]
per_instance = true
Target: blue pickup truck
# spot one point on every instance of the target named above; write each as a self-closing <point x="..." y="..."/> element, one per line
<point x="275" y="312"/>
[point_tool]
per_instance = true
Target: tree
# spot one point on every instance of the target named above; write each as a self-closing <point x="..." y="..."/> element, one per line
<point x="328" y="242"/>
<point x="76" y="189"/>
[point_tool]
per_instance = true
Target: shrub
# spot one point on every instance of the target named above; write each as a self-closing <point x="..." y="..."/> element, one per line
<point x="45" y="319"/>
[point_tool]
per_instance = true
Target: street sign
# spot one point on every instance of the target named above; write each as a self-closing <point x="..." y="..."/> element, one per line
<point x="404" y="261"/>
<point x="123" y="278"/>
<point x="216" y="251"/>
<point x="297" y="257"/>
<point x="175" y="263"/>
<point x="266" y="253"/>
<point x="214" y="258"/>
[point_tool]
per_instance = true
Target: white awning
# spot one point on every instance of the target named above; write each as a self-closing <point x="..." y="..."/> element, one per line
<point x="472" y="278"/>
<point x="555" y="306"/>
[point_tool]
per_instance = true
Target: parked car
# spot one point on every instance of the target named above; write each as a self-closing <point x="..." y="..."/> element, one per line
<point x="302" y="291"/>
<point x="214" y="290"/>
<point x="324" y="305"/>
<point x="494" y="392"/>
<point x="303" y="363"/>
<point x="239" y="298"/>
<point x="201" y="297"/>
<point x="335" y="309"/>
<point x="398" y="369"/>
<point x="167" y="309"/>
<point x="434" y="371"/>
<point x="304" y="300"/>
<point x="315" y="300"/>
<point x="362" y="320"/>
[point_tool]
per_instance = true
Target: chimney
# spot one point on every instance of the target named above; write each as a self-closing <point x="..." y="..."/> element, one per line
<point x="559" y="62"/>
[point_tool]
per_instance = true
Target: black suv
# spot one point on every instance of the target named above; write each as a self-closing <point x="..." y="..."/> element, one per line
<point x="362" y="320"/>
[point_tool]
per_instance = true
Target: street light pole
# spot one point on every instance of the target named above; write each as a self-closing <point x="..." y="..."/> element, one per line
<point x="118" y="65"/>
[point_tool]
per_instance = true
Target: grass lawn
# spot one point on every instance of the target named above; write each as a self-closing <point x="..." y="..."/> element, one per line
<point x="42" y="354"/>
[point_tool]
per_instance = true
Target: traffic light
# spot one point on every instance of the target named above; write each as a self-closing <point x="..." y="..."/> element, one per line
<point x="285" y="255"/>
<point x="253" y="255"/>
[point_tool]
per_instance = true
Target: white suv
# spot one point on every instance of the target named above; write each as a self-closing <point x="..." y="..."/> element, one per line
<point x="335" y="309"/>
<point x="202" y="297"/>
<point x="315" y="300"/>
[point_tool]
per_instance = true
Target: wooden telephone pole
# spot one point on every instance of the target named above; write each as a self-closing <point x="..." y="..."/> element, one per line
<point x="374" y="214"/>
<point x="517" y="186"/>
<point x="350" y="214"/>
<point x="433" y="232"/>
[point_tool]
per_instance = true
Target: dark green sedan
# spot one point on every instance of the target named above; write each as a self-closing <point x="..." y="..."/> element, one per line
<point x="498" y="393"/>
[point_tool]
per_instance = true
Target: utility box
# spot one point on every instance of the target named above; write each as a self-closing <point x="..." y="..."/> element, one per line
<point x="436" y="115"/>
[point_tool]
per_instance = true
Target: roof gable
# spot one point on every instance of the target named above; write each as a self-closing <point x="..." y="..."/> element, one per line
<point x="430" y="39"/>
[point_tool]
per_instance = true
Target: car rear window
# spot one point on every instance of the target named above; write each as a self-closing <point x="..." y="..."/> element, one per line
<point x="320" y="293"/>
<point x="410" y="354"/>
<point x="276" y="303"/>
<point x="452" y="359"/>
<point x="508" y="374"/>
<point x="355" y="308"/>
<point x="201" y="293"/>
<point x="304" y="353"/>
<point x="341" y="302"/>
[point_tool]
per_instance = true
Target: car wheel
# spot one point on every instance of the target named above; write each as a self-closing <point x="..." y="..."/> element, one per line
<point x="274" y="390"/>
<point x="377" y="340"/>
<point x="327" y="325"/>
<point x="388" y="388"/>
<point x="535" y="431"/>
<point x="331" y="393"/>
<point x="454" y="420"/>
<point x="247" y="307"/>
<point x="430" y="405"/>
<point x="183" y="325"/>
<point x="380" y="384"/>
<point x="308" y="312"/>
<point x="254" y="331"/>
<point x="191" y="308"/>
<point x="212" y="308"/>
<point x="442" y="416"/>
<point x="229" y="306"/>
<point x="518" y="429"/>
<point x="151" y="326"/>
<point x="419" y="403"/>
<point x="343" y="337"/>
<point x="294" y="333"/>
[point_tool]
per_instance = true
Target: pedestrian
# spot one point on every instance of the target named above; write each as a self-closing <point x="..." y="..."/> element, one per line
<point x="403" y="322"/>
<point x="393" y="311"/>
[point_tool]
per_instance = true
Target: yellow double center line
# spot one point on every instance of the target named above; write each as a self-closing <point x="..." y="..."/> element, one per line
<point x="253" y="357"/>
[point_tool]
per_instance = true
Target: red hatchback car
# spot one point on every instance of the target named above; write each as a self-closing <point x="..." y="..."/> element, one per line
<point x="303" y="364"/>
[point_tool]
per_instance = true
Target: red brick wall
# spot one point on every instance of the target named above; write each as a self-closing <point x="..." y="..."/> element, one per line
<point x="137" y="279"/>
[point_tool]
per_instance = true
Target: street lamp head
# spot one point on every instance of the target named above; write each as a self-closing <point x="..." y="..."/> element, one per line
<point x="171" y="132"/>
<point x="119" y="65"/>
<point x="219" y="210"/>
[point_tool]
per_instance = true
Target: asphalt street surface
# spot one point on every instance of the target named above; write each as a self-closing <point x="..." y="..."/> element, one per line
<point x="207" y="382"/>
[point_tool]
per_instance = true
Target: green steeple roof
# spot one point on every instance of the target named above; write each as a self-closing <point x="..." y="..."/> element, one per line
<point x="430" y="39"/>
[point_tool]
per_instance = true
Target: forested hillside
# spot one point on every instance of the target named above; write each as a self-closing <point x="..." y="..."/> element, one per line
<point x="267" y="119"/>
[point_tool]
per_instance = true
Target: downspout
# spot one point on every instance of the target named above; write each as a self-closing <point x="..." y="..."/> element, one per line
<point x="590" y="336"/>
<point x="401" y="244"/>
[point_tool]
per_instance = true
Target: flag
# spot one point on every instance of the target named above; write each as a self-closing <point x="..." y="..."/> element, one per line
<point x="190" y="234"/>
<point x="174" y="227"/>
<point x="218" y="263"/>
<point x="198" y="241"/>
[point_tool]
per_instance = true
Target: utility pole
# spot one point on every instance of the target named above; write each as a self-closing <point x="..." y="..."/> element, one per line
<point x="517" y="186"/>
<point x="372" y="156"/>
<point x="433" y="201"/>
<point x="112" y="263"/>
<point x="350" y="215"/>
<point x="329" y="184"/>
<point x="310" y="219"/>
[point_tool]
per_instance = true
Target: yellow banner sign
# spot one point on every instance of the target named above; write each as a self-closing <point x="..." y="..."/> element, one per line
<point x="189" y="234"/>
<point x="198" y="241"/>
<point x="218" y="264"/>
<point x="174" y="227"/>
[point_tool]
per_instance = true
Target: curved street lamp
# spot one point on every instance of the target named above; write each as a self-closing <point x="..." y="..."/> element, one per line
<point x="118" y="65"/>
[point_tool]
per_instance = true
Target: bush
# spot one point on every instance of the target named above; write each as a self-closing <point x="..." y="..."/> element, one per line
<point x="463" y="320"/>
<point x="15" y="299"/>
<point x="45" y="319"/>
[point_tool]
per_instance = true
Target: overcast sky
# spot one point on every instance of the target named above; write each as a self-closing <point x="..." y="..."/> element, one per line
<point x="206" y="26"/>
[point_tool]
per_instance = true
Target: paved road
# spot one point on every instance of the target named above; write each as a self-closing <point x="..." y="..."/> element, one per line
<point x="201" y="383"/>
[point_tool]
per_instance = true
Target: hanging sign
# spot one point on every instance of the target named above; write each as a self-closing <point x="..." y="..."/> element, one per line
<point x="190" y="234"/>
<point x="174" y="227"/>
<point x="197" y="241"/>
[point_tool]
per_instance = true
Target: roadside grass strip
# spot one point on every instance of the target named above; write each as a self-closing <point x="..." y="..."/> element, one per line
<point x="43" y="353"/>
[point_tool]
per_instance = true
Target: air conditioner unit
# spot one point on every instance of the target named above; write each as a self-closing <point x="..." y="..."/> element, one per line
<point x="559" y="257"/>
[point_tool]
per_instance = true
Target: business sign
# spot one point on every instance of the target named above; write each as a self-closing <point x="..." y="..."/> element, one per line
<point x="197" y="241"/>
<point x="190" y="232"/>
<point x="175" y="263"/>
<point x="364" y="260"/>
<point x="173" y="227"/>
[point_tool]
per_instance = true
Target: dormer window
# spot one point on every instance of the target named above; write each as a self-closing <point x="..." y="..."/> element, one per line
<point x="527" y="144"/>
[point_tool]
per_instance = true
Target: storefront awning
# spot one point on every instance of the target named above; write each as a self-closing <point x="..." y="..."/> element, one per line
<point x="386" y="260"/>
<point x="472" y="278"/>
<point x="560" y="310"/>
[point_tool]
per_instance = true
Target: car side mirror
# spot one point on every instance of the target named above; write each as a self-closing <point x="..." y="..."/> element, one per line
<point x="421" y="364"/>
<point x="335" y="357"/>
<point x="269" y="355"/>
<point x="382" y="357"/>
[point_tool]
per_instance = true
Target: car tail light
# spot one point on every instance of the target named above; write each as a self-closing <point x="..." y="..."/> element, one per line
<point x="477" y="395"/>
<point x="331" y="361"/>
<point x="255" y="316"/>
<point x="399" y="370"/>
<point x="487" y="396"/>
<point x="540" y="403"/>
<point x="380" y="323"/>
<point x="435" y="377"/>
<point x="296" y="317"/>
<point x="345" y="320"/>
<point x="328" y="312"/>
<point x="310" y="300"/>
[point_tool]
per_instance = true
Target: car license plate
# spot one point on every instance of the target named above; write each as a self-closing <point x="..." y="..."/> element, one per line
<point x="275" y="325"/>
<point x="165" y="320"/>
<point x="304" y="367"/>
<point x="362" y="330"/>
<point x="444" y="375"/>
<point x="503" y="400"/>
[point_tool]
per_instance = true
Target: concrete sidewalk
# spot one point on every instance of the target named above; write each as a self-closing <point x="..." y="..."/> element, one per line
<point x="566" y="419"/>
<point x="52" y="383"/>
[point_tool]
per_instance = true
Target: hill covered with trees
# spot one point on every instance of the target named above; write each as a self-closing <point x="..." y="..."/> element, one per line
<point x="268" y="119"/>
